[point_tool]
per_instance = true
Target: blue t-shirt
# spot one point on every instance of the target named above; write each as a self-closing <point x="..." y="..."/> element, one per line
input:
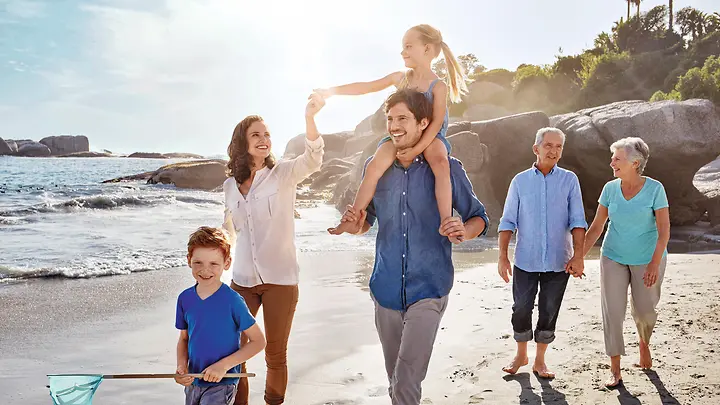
<point x="214" y="326"/>
<point x="632" y="233"/>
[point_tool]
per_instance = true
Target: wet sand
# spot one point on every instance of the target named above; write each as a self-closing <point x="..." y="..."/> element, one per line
<point x="125" y="324"/>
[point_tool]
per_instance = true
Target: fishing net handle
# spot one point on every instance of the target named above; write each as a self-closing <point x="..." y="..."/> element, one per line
<point x="129" y="376"/>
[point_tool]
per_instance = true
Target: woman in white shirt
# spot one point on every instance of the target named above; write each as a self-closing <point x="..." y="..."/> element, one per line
<point x="259" y="215"/>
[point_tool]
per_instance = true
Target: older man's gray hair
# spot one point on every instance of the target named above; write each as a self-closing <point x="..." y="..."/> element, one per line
<point x="540" y="136"/>
<point x="636" y="150"/>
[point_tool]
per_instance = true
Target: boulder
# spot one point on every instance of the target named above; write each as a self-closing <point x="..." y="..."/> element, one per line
<point x="707" y="181"/>
<point x="480" y="112"/>
<point x="12" y="144"/>
<point x="183" y="156"/>
<point x="374" y="123"/>
<point x="330" y="173"/>
<point x="204" y="175"/>
<point x="32" y="149"/>
<point x="334" y="145"/>
<point x="682" y="136"/>
<point x="5" y="148"/>
<point x="147" y="155"/>
<point x="358" y="143"/>
<point x="66" y="144"/>
<point x="86" y="155"/>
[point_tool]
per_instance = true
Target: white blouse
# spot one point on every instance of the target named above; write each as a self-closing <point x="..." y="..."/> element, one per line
<point x="262" y="224"/>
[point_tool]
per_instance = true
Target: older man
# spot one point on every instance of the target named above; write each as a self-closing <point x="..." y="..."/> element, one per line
<point x="413" y="271"/>
<point x="544" y="208"/>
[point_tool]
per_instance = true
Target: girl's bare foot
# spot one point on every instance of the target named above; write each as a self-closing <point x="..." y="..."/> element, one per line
<point x="517" y="362"/>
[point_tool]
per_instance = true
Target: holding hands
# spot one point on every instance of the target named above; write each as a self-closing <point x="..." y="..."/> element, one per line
<point x="576" y="266"/>
<point x="314" y="105"/>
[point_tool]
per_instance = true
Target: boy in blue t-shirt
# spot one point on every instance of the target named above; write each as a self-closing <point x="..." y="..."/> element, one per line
<point x="211" y="317"/>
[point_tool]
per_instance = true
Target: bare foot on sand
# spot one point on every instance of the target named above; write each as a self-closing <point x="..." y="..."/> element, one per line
<point x="513" y="367"/>
<point x="614" y="380"/>
<point x="341" y="229"/>
<point x="542" y="370"/>
<point x="645" y="362"/>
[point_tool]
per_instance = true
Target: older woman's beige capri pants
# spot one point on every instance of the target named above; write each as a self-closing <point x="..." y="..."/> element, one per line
<point x="614" y="281"/>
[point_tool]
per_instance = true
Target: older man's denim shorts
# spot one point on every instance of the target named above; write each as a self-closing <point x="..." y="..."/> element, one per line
<point x="215" y="395"/>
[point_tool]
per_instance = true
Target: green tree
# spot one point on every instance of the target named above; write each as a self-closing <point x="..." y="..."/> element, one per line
<point x="696" y="23"/>
<point x="469" y="63"/>
<point x="702" y="82"/>
<point x="670" y="25"/>
<point x="502" y="77"/>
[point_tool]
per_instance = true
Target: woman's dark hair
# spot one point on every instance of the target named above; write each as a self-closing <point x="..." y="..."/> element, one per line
<point x="240" y="164"/>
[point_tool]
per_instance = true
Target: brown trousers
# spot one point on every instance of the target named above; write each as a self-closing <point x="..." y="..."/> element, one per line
<point x="279" y="302"/>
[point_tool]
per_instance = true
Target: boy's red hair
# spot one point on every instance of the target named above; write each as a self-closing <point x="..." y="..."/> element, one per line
<point x="209" y="237"/>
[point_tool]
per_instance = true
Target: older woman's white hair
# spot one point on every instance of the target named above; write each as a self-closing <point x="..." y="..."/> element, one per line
<point x="540" y="135"/>
<point x="636" y="150"/>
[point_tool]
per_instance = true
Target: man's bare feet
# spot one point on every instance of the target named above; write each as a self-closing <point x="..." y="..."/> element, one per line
<point x="614" y="380"/>
<point x="341" y="229"/>
<point x="542" y="370"/>
<point x="513" y="367"/>
<point x="645" y="362"/>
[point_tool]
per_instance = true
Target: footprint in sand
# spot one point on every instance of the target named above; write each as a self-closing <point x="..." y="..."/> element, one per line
<point x="475" y="399"/>
<point x="351" y="380"/>
<point x="340" y="402"/>
<point x="377" y="392"/>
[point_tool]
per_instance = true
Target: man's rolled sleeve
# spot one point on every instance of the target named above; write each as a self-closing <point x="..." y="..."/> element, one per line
<point x="465" y="202"/>
<point x="576" y="208"/>
<point x="511" y="210"/>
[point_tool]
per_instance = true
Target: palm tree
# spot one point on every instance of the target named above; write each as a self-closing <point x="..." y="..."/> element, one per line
<point x="628" y="11"/>
<point x="637" y="3"/>
<point x="670" y="26"/>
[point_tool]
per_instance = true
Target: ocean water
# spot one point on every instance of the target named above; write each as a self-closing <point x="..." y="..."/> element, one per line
<point x="58" y="220"/>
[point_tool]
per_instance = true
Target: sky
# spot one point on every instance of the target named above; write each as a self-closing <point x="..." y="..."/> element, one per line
<point x="178" y="75"/>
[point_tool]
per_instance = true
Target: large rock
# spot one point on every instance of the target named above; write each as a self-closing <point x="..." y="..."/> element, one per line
<point x="86" y="155"/>
<point x="330" y="172"/>
<point x="5" y="148"/>
<point x="375" y="123"/>
<point x="358" y="143"/>
<point x="32" y="149"/>
<point x="509" y="141"/>
<point x="334" y="145"/>
<point x="682" y="136"/>
<point x="66" y="144"/>
<point x="481" y="112"/>
<point x="205" y="174"/>
<point x="12" y="144"/>
<point x="155" y="155"/>
<point x="707" y="181"/>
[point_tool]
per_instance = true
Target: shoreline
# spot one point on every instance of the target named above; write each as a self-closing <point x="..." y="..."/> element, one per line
<point x="124" y="324"/>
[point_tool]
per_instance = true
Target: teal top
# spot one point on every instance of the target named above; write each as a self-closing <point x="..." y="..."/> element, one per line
<point x="632" y="233"/>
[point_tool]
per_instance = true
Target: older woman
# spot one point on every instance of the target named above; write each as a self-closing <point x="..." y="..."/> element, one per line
<point x="634" y="250"/>
<point x="259" y="213"/>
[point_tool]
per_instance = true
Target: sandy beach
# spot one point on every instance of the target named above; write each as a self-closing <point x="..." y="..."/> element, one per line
<point x="125" y="324"/>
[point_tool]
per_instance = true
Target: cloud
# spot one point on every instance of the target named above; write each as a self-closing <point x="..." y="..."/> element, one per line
<point x="23" y="9"/>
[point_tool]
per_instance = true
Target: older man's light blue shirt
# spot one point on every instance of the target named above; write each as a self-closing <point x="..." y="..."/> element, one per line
<point x="542" y="211"/>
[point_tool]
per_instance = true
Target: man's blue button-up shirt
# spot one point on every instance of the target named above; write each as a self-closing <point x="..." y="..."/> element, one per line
<point x="543" y="210"/>
<point x="412" y="260"/>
